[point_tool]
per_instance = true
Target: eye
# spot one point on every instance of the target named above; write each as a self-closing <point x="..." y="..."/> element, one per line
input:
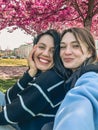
<point x="62" y="47"/>
<point x="76" y="46"/>
<point x="41" y="47"/>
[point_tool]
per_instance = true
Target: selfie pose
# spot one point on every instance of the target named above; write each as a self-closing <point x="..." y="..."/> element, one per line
<point x="79" y="109"/>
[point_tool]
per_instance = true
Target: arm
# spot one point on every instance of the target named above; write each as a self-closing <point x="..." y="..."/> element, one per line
<point x="21" y="84"/>
<point x="35" y="100"/>
<point x="79" y="108"/>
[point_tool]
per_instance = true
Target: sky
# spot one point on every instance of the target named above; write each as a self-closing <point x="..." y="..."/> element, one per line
<point x="14" y="39"/>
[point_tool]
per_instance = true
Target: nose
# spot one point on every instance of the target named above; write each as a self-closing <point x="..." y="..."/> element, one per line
<point x="68" y="50"/>
<point x="46" y="52"/>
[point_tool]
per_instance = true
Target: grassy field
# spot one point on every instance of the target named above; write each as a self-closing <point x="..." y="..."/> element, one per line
<point x="6" y="83"/>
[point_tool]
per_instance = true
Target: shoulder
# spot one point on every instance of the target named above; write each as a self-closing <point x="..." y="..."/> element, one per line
<point x="89" y="78"/>
<point x="86" y="87"/>
<point x="89" y="75"/>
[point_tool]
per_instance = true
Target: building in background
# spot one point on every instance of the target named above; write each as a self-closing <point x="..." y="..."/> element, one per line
<point x="23" y="50"/>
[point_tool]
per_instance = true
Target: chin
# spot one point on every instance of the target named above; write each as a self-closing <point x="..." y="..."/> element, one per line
<point x="42" y="68"/>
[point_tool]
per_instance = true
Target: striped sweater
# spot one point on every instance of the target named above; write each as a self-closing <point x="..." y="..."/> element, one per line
<point x="32" y="102"/>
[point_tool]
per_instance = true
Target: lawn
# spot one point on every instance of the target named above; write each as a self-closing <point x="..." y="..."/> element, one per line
<point x="6" y="83"/>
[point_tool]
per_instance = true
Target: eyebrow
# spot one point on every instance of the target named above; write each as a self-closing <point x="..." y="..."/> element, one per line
<point x="45" y="44"/>
<point x="42" y="43"/>
<point x="71" y="42"/>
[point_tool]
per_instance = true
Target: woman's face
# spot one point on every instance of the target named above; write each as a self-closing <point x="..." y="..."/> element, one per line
<point x="72" y="54"/>
<point x="43" y="56"/>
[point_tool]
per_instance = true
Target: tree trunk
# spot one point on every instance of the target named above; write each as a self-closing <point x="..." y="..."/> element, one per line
<point x="88" y="23"/>
<point x="88" y="19"/>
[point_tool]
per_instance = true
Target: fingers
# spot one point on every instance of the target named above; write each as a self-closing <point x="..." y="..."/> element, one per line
<point x="31" y="54"/>
<point x="33" y="69"/>
<point x="33" y="51"/>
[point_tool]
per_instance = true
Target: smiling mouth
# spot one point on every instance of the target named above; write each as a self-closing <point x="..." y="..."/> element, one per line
<point x="43" y="61"/>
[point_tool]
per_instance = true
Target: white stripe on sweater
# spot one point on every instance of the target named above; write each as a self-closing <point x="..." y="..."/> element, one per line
<point x="45" y="115"/>
<point x="54" y="86"/>
<point x="6" y="116"/>
<point x="24" y="106"/>
<point x="19" y="85"/>
<point x="44" y="95"/>
<point x="8" y="98"/>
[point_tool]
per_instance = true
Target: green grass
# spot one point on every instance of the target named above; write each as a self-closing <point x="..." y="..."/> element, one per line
<point x="6" y="83"/>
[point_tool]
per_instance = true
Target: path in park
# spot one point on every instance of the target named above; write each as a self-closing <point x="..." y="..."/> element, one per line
<point x="7" y="72"/>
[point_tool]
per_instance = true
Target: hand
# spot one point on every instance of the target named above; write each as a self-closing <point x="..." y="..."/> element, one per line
<point x="33" y="69"/>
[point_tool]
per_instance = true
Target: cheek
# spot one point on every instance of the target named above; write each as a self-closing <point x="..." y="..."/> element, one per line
<point x="36" y="52"/>
<point x="51" y="55"/>
<point x="81" y="59"/>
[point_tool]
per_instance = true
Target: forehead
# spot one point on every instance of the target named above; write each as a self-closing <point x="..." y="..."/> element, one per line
<point x="46" y="40"/>
<point x="46" y="37"/>
<point x="68" y="37"/>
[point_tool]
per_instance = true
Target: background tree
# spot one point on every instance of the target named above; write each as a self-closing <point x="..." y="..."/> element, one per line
<point x="86" y="13"/>
<point x="38" y="15"/>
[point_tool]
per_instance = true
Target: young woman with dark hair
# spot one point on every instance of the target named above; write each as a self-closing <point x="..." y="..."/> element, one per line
<point x="35" y="98"/>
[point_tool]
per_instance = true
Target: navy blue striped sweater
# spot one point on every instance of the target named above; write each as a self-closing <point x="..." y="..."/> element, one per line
<point x="32" y="102"/>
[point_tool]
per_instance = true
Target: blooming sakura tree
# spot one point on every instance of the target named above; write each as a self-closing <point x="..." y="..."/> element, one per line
<point x="38" y="15"/>
<point x="30" y="15"/>
<point x="85" y="12"/>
